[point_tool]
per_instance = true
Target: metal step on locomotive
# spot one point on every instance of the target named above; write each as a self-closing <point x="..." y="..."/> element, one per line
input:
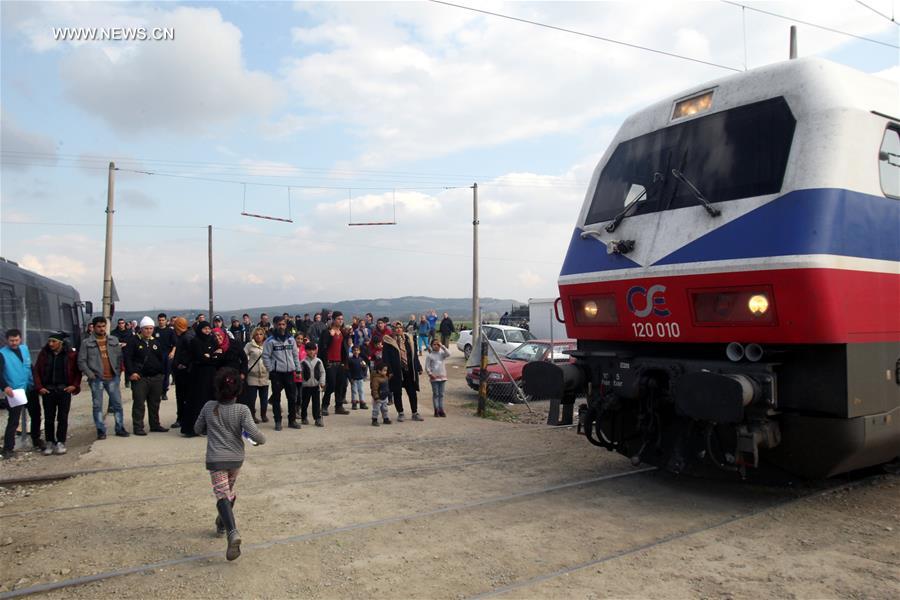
<point x="733" y="279"/>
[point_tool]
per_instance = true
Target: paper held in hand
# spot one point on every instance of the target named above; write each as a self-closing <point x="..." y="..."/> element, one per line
<point x="17" y="399"/>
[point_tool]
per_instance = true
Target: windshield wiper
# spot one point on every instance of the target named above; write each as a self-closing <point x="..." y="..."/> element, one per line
<point x="712" y="210"/>
<point x="617" y="220"/>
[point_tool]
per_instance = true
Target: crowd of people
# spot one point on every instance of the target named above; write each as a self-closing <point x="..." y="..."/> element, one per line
<point x="310" y="360"/>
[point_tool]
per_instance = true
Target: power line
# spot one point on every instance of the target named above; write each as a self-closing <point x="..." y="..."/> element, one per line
<point x="357" y="185"/>
<point x="879" y="13"/>
<point x="281" y="185"/>
<point x="816" y="25"/>
<point x="588" y="35"/>
<point x="286" y="237"/>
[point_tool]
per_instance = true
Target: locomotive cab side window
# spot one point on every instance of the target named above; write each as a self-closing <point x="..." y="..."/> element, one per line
<point x="889" y="163"/>
<point x="737" y="153"/>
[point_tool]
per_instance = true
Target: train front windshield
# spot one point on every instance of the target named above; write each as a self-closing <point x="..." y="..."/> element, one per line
<point x="737" y="153"/>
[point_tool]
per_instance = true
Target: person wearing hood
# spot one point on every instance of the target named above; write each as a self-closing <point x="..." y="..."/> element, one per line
<point x="181" y="367"/>
<point x="205" y="356"/>
<point x="403" y="362"/>
<point x="233" y="355"/>
<point x="56" y="379"/>
<point x="145" y="364"/>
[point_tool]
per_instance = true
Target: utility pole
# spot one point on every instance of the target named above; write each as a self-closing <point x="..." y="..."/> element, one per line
<point x="107" y="259"/>
<point x="476" y="313"/>
<point x="477" y="342"/>
<point x="793" y="50"/>
<point x="209" y="231"/>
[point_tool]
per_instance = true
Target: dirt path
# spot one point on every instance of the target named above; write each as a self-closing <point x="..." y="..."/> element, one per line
<point x="448" y="508"/>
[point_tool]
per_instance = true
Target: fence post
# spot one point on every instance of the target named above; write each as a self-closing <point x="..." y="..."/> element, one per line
<point x="482" y="377"/>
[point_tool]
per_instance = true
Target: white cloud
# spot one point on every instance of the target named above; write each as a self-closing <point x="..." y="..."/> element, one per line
<point x="529" y="279"/>
<point x="891" y="74"/>
<point x="55" y="266"/>
<point x="187" y="85"/>
<point x="252" y="279"/>
<point x="422" y="80"/>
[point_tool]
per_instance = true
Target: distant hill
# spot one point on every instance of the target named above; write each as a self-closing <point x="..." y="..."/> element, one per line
<point x="460" y="309"/>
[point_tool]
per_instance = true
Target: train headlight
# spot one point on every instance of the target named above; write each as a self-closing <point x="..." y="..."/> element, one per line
<point x="734" y="306"/>
<point x="692" y="106"/>
<point x="595" y="310"/>
<point x="758" y="304"/>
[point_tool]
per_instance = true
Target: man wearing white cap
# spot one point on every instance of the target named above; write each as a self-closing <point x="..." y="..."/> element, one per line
<point x="144" y="367"/>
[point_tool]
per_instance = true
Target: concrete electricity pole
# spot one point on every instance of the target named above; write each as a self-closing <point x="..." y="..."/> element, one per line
<point x="107" y="259"/>
<point x="209" y="230"/>
<point x="476" y="312"/>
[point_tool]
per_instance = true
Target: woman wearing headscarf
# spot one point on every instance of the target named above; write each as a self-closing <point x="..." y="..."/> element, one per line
<point x="233" y="354"/>
<point x="205" y="357"/>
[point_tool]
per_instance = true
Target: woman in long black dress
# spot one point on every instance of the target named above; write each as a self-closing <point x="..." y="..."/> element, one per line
<point x="233" y="354"/>
<point x="205" y="356"/>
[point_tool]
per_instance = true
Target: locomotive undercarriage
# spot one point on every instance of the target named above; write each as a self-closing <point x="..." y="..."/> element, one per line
<point x="680" y="414"/>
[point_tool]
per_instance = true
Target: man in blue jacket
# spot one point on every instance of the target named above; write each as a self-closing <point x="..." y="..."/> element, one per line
<point x="15" y="374"/>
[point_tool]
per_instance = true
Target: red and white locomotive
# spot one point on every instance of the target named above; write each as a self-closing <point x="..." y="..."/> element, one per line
<point x="733" y="279"/>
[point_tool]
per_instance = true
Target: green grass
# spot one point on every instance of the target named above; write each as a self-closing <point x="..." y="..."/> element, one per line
<point x="496" y="411"/>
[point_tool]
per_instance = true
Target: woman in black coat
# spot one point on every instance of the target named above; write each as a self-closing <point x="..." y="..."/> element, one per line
<point x="205" y="357"/>
<point x="233" y="355"/>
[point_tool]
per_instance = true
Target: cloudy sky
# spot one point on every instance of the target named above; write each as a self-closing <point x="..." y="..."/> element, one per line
<point x="331" y="113"/>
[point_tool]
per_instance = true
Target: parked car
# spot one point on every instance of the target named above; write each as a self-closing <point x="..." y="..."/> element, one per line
<point x="500" y="385"/>
<point x="502" y="338"/>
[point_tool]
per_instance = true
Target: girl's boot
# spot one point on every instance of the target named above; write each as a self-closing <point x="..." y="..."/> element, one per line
<point x="234" y="538"/>
<point x="220" y="527"/>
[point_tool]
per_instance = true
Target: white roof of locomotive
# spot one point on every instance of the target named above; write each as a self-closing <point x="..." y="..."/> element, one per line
<point x="808" y="84"/>
<point x="833" y="105"/>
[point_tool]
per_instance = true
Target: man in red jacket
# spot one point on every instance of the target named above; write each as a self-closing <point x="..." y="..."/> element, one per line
<point x="56" y="378"/>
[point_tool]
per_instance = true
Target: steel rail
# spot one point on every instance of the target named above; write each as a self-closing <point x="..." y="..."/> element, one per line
<point x="366" y="476"/>
<point x="34" y="479"/>
<point x="86" y="579"/>
<point x="669" y="539"/>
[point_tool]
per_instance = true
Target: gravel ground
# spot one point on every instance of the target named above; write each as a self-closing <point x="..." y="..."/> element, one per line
<point x="447" y="508"/>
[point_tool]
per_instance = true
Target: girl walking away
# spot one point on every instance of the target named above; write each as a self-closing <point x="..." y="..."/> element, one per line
<point x="437" y="372"/>
<point x="224" y="422"/>
<point x="380" y="386"/>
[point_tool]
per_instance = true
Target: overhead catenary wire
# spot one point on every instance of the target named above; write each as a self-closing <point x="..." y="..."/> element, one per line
<point x="809" y="24"/>
<point x="21" y="158"/>
<point x="589" y="35"/>
<point x="308" y="248"/>
<point x="879" y="13"/>
<point x="514" y="181"/>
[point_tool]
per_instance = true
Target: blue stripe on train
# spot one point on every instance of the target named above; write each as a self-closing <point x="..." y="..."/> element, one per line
<point x="821" y="221"/>
<point x="817" y="221"/>
<point x="588" y="255"/>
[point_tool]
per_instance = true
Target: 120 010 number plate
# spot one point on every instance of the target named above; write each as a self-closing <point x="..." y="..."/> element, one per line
<point x="656" y="330"/>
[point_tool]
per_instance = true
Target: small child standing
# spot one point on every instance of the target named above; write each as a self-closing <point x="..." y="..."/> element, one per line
<point x="381" y="393"/>
<point x="357" y="367"/>
<point x="224" y="422"/>
<point x="312" y="372"/>
<point x="437" y="372"/>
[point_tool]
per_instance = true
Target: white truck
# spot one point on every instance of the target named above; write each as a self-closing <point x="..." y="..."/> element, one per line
<point x="542" y="321"/>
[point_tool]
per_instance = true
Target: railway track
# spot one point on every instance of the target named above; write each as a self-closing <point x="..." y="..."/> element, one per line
<point x="459" y="507"/>
<point x="356" y="476"/>
<point x="51" y="477"/>
<point x="667" y="539"/>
